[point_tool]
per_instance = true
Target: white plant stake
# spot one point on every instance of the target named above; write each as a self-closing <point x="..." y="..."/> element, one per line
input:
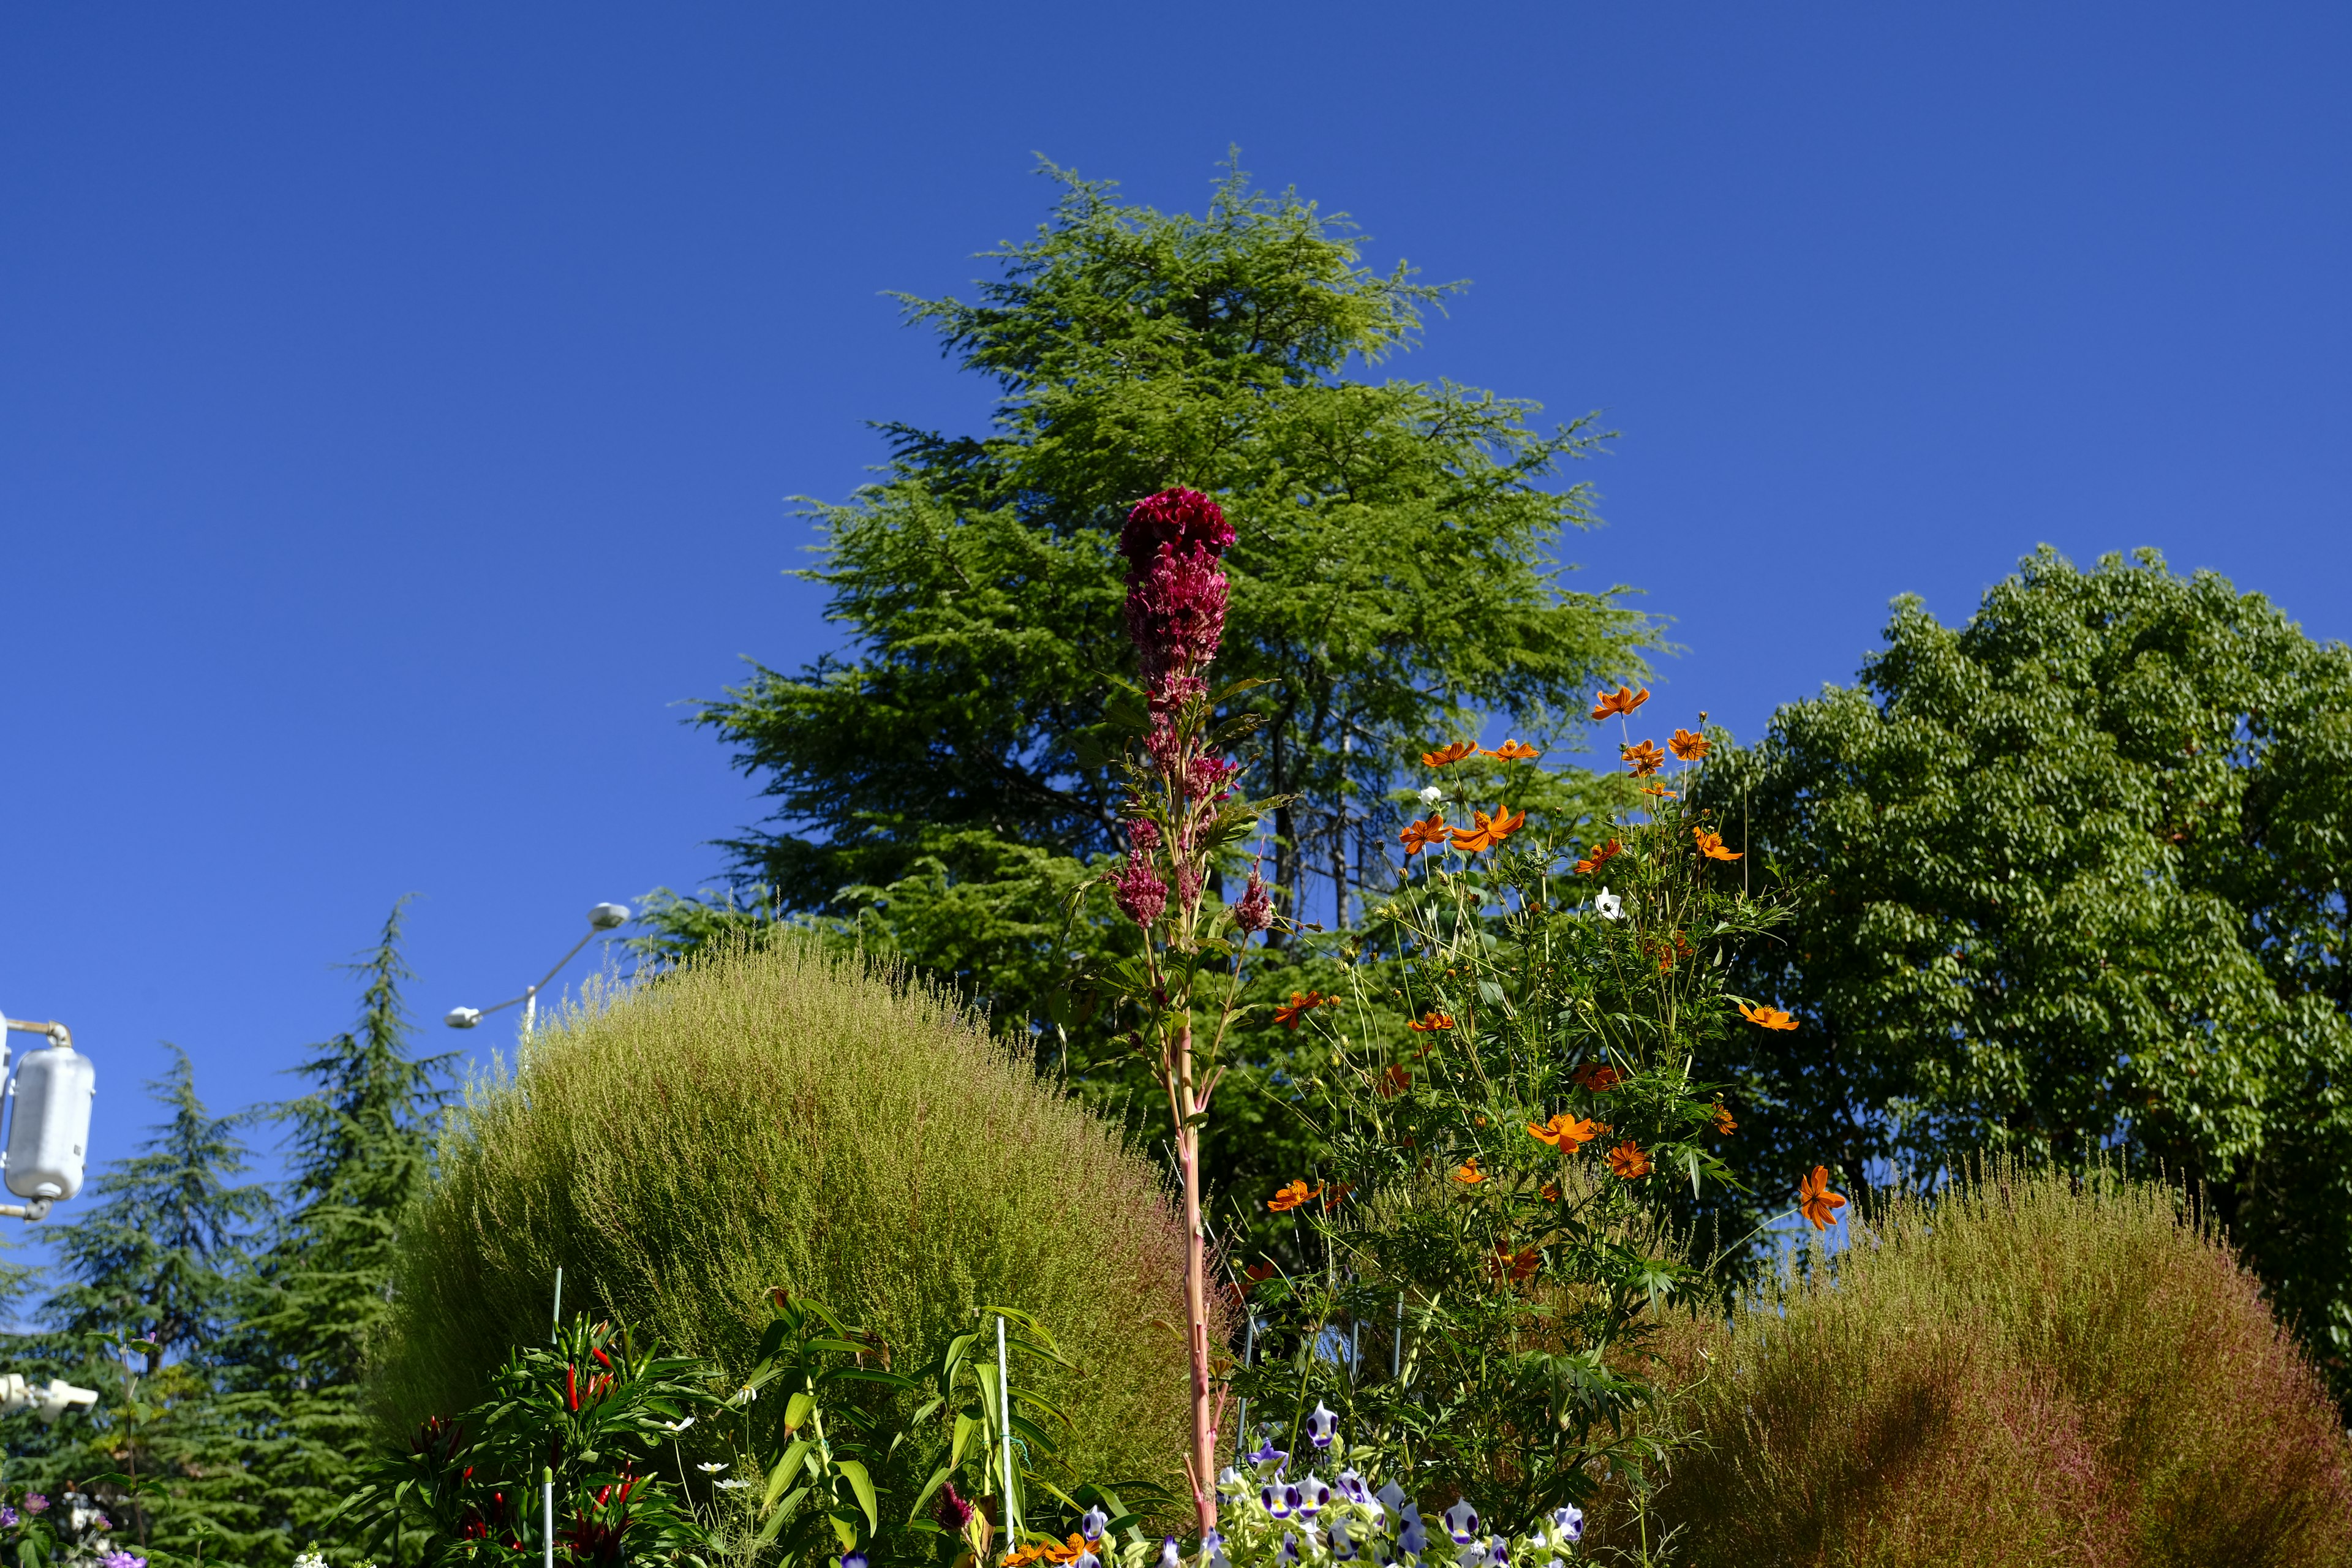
<point x="1004" y="1414"/>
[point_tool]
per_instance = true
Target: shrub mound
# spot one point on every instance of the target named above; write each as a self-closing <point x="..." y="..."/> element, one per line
<point x="2023" y="1369"/>
<point x="780" y="1116"/>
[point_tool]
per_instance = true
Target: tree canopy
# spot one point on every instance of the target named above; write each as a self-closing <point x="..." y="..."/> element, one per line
<point x="1396" y="575"/>
<point x="2071" y="880"/>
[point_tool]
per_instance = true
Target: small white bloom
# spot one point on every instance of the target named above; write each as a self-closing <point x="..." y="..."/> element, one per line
<point x="732" y="1485"/>
<point x="711" y="1469"/>
<point x="1431" y="795"/>
<point x="675" y="1427"/>
<point x="310" y="1560"/>
<point x="1610" y="906"/>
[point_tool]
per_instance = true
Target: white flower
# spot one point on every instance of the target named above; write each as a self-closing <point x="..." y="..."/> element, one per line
<point x="1610" y="906"/>
<point x="711" y="1469"/>
<point x="675" y="1427"/>
<point x="310" y="1560"/>
<point x="728" y="1486"/>
<point x="1431" y="795"/>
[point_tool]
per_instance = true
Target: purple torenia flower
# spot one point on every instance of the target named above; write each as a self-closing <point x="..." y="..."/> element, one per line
<point x="1092" y="1522"/>
<point x="1322" y="1424"/>
<point x="1268" y="1455"/>
<point x="1462" y="1522"/>
<point x="119" y="1559"/>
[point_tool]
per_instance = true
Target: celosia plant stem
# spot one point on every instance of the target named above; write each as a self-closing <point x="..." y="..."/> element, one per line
<point x="1204" y="1466"/>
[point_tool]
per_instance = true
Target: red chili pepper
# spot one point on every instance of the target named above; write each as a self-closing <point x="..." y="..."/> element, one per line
<point x="603" y="1495"/>
<point x="468" y="1475"/>
<point x="600" y="1355"/>
<point x="572" y="1386"/>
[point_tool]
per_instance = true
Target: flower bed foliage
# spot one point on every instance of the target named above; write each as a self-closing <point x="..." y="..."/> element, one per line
<point x="789" y="1117"/>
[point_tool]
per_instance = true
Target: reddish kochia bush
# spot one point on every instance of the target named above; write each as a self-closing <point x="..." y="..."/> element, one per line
<point x="2024" y="1369"/>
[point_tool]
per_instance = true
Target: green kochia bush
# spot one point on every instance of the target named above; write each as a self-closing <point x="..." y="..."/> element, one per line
<point x="2021" y="1370"/>
<point x="778" y="1117"/>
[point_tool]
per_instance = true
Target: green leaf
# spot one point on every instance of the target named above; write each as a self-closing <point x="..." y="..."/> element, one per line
<point x="796" y="1410"/>
<point x="862" y="1485"/>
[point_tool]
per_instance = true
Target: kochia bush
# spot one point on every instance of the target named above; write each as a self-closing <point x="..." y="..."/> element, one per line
<point x="785" y="1117"/>
<point x="2022" y="1370"/>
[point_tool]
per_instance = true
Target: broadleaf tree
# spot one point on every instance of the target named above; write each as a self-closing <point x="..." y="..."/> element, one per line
<point x="2071" y="881"/>
<point x="941" y="785"/>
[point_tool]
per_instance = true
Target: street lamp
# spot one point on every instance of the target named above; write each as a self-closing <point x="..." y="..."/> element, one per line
<point x="603" y="917"/>
<point x="48" y="1134"/>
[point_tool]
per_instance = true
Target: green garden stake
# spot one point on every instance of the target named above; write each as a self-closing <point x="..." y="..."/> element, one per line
<point x="549" y="1483"/>
<point x="555" y="1328"/>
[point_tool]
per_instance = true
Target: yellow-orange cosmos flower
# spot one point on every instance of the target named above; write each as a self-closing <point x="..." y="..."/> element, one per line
<point x="1486" y="831"/>
<point x="1625" y="699"/>
<point x="1470" y="1175"/>
<point x="1599" y="857"/>
<point x="1564" y="1132"/>
<point x="1512" y="751"/>
<point x="1628" y="1162"/>
<point x="1767" y="1017"/>
<point x="1690" y="748"/>
<point x="1816" y="1202"/>
<point x="1293" y="1196"/>
<point x="1447" y="755"/>
<point x="1428" y="834"/>
<point x="1645" y="759"/>
<point x="1711" y="845"/>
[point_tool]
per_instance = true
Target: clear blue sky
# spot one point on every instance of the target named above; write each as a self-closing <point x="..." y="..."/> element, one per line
<point x="398" y="404"/>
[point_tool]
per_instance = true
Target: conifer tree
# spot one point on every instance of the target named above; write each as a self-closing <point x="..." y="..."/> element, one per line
<point x="158" y="1273"/>
<point x="358" y="1146"/>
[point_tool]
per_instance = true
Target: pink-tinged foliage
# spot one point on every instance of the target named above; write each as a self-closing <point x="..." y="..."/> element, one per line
<point x="2022" y="1370"/>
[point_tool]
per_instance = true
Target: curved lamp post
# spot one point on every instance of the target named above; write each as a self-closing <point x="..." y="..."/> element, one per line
<point x="602" y="918"/>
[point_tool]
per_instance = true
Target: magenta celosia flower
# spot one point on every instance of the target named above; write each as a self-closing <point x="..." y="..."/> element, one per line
<point x="953" y="1512"/>
<point x="1176" y="613"/>
<point x="1253" y="911"/>
<point x="1209" y="777"/>
<point x="1143" y="832"/>
<point x="1140" y="894"/>
<point x="1181" y="520"/>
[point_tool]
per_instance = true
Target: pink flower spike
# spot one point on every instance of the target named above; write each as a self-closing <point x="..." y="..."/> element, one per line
<point x="1253" y="911"/>
<point x="1139" y="892"/>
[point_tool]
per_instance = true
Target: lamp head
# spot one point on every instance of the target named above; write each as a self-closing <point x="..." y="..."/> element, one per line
<point x="463" y="1017"/>
<point x="604" y="917"/>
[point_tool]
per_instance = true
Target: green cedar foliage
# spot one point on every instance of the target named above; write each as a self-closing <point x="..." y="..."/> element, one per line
<point x="2071" y="877"/>
<point x="358" y="1154"/>
<point x="941" y="787"/>
<point x="158" y="1273"/>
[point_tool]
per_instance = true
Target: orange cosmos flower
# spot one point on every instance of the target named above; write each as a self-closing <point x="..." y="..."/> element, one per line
<point x="1564" y="1132"/>
<point x="1511" y="752"/>
<point x="1690" y="748"/>
<point x="1255" y="1275"/>
<point x="1721" y="1116"/>
<point x="1488" y="832"/>
<point x="1645" y="759"/>
<point x="1470" y="1175"/>
<point x="1816" y="1202"/>
<point x="1767" y="1017"/>
<point x="1598" y="1078"/>
<point x="1392" y="1082"/>
<point x="1599" y="857"/>
<point x="1508" y="1267"/>
<point x="1711" y="845"/>
<point x="1025" y="1556"/>
<point x="1301" y="1004"/>
<point x="1430" y="1021"/>
<point x="1625" y="699"/>
<point x="1628" y="1162"/>
<point x="1447" y="755"/>
<point x="1550" y="1192"/>
<point x="1070" y="1551"/>
<point x="1334" y="1193"/>
<point x="1428" y="834"/>
<point x="1292" y="1196"/>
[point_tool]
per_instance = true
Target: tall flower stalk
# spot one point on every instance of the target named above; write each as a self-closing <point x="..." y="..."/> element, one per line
<point x="1182" y="818"/>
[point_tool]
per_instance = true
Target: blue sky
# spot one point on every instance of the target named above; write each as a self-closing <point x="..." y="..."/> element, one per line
<point x="398" y="404"/>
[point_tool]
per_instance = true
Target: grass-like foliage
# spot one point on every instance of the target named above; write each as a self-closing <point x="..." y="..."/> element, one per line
<point x="785" y="1117"/>
<point x="2025" y="1368"/>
